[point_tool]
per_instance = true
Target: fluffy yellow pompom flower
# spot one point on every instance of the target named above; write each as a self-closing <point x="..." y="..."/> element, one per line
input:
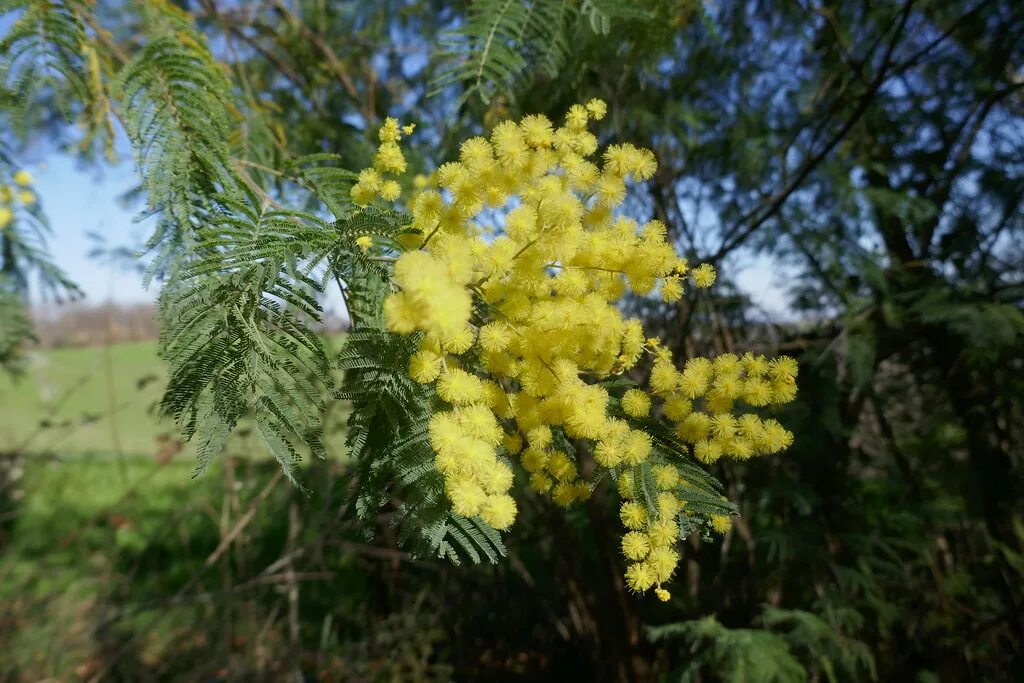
<point x="467" y="497"/>
<point x="663" y="562"/>
<point x="499" y="511"/>
<point x="424" y="367"/>
<point x="666" y="477"/>
<point x="23" y="178"/>
<point x="662" y="594"/>
<point x="639" y="577"/>
<point x="721" y="523"/>
<point x="671" y="289"/>
<point x="597" y="109"/>
<point x="636" y="447"/>
<point x="460" y="387"/>
<point x="390" y="190"/>
<point x="636" y="403"/>
<point x="633" y="515"/>
<point x="703" y="276"/>
<point x="27" y="198"/>
<point x="662" y="533"/>
<point x="635" y="545"/>
<point x="6" y="216"/>
<point x="364" y="242"/>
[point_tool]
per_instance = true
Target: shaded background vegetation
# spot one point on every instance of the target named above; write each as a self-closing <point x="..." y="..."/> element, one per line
<point x="874" y="152"/>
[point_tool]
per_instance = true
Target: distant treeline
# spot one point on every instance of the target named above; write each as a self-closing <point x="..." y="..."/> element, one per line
<point x="88" y="324"/>
<point x="83" y="324"/>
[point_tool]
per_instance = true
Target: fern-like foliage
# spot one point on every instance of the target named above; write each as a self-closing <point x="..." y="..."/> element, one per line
<point x="387" y="429"/>
<point x="791" y="646"/>
<point x="389" y="444"/>
<point x="15" y="327"/>
<point x="174" y="107"/>
<point x="43" y="51"/>
<point x="701" y="490"/>
<point x="500" y="39"/>
<point x="502" y="44"/>
<point x="237" y="340"/>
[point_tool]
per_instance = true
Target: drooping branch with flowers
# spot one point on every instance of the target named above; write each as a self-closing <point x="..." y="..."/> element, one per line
<point x="511" y="280"/>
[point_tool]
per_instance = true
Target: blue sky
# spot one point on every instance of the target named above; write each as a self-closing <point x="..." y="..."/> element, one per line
<point x="78" y="201"/>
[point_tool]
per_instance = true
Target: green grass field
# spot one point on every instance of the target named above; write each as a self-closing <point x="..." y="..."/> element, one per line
<point x="64" y="403"/>
<point x="93" y="401"/>
<point x="93" y="536"/>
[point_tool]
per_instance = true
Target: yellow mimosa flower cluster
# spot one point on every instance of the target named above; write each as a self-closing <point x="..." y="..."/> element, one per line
<point x="9" y="195"/>
<point x="519" y="261"/>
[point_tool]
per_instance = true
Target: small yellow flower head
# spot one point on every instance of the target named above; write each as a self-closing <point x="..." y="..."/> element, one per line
<point x="633" y="515"/>
<point x="597" y="109"/>
<point x="721" y="523"/>
<point x="723" y="426"/>
<point x="608" y="453"/>
<point x="27" y="198"/>
<point x="625" y="486"/>
<point x="479" y="422"/>
<point x="577" y="117"/>
<point x="540" y="483"/>
<point x="424" y="367"/>
<point x="6" y="216"/>
<point x="662" y="594"/>
<point x="564" y="495"/>
<point x="364" y="242"/>
<point x="782" y="391"/>
<point x="639" y="577"/>
<point x="757" y="393"/>
<point x="695" y="427"/>
<point x="783" y="367"/>
<point x="664" y="376"/>
<point x="389" y="158"/>
<point x="459" y="387"/>
<point x="755" y="366"/>
<point x="408" y="130"/>
<point x="513" y="443"/>
<point x="666" y="477"/>
<point x="663" y="533"/>
<point x="495" y="337"/>
<point x="537" y="130"/>
<point x="460" y="342"/>
<point x="561" y="467"/>
<point x="663" y="562"/>
<point x="534" y="460"/>
<point x="635" y="545"/>
<point x="499" y="511"/>
<point x="707" y="451"/>
<point x="467" y="497"/>
<point x="726" y="365"/>
<point x="389" y="132"/>
<point x="636" y="448"/>
<point x="636" y="403"/>
<point x="703" y="276"/>
<point x="23" y="178"/>
<point x="539" y="437"/>
<point x="677" y="407"/>
<point x="390" y="190"/>
<point x="668" y="505"/>
<point x="671" y="289"/>
<point x="363" y="195"/>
